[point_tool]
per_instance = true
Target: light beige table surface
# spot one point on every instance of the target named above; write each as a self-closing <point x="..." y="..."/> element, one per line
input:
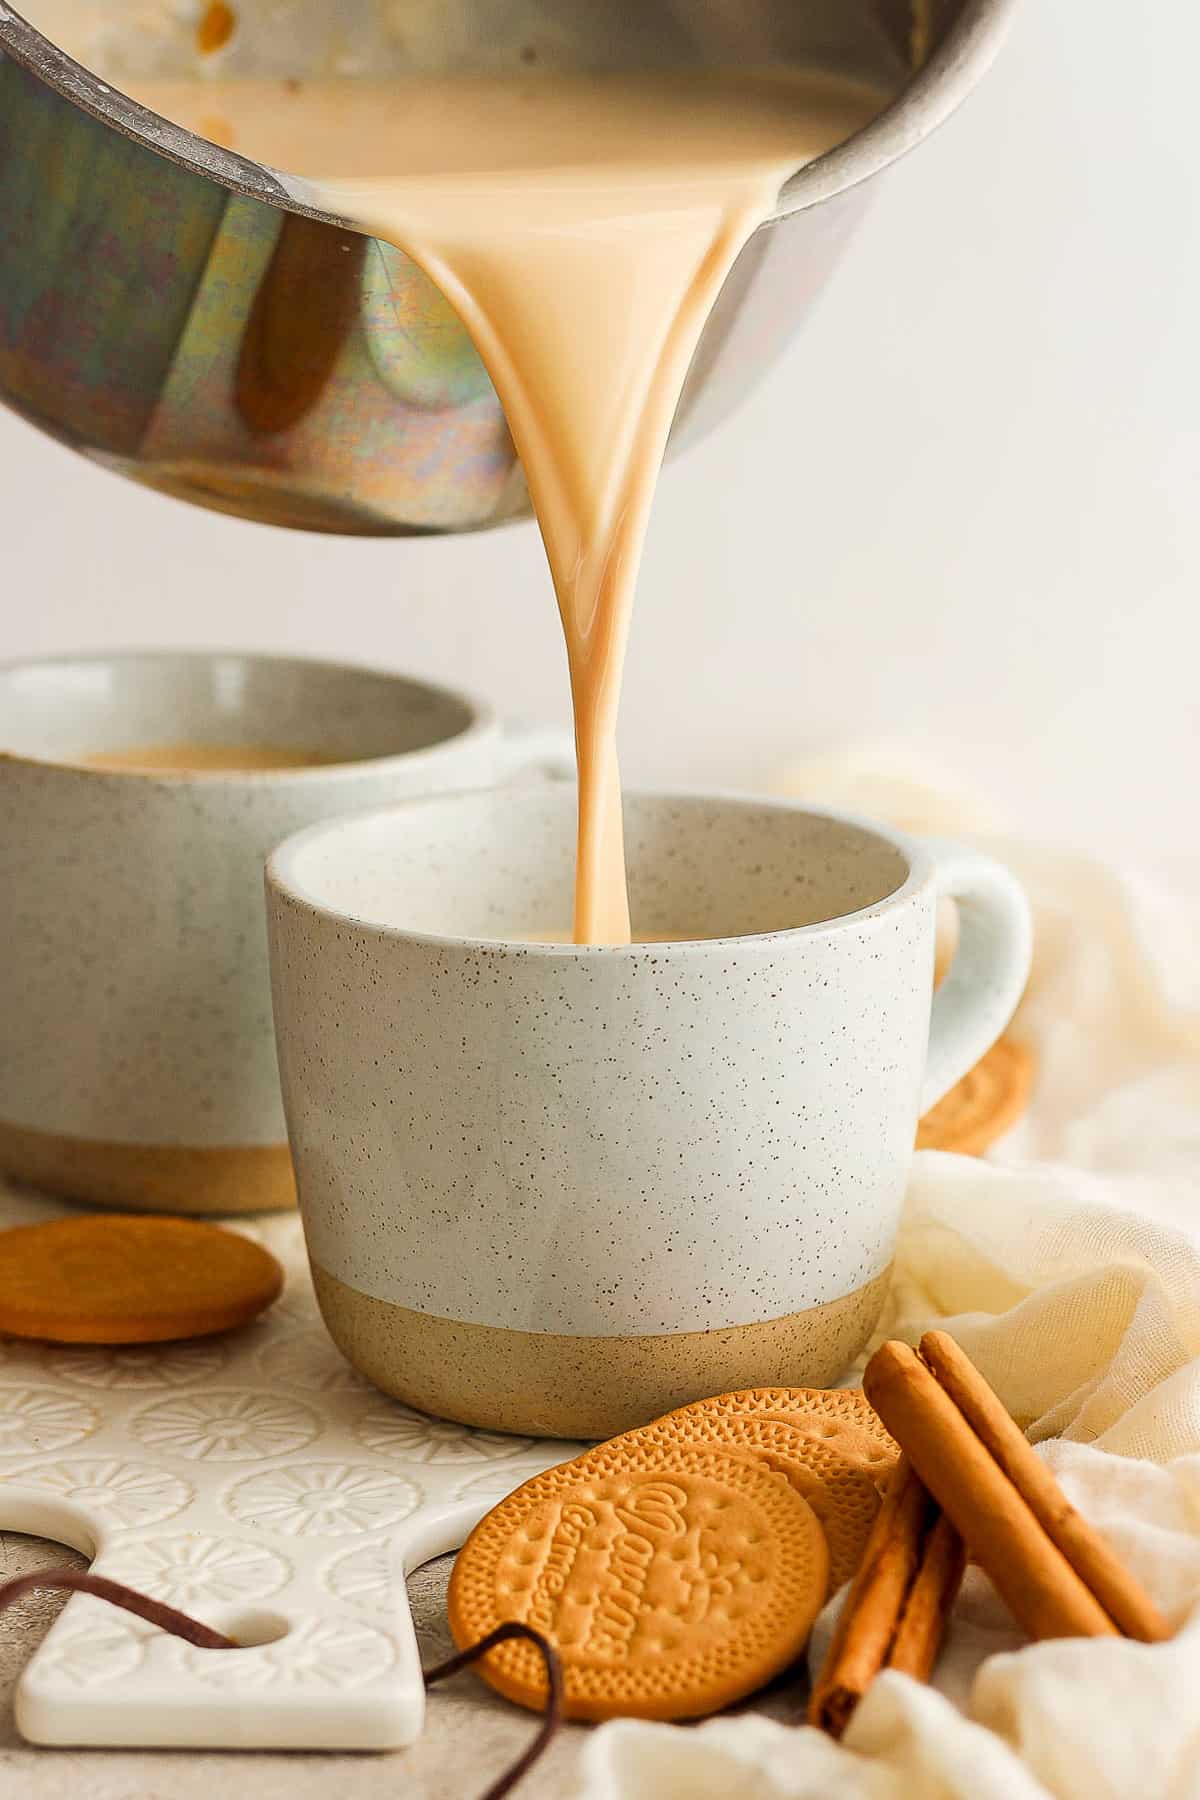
<point x="470" y="1734"/>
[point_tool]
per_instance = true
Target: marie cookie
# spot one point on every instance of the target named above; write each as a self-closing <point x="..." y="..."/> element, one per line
<point x="670" y="1589"/>
<point x="125" y="1279"/>
<point x="986" y="1103"/>
<point x="810" y="1408"/>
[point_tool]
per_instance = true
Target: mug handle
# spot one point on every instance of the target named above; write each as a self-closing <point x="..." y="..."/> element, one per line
<point x="990" y="968"/>
<point x="533" y="750"/>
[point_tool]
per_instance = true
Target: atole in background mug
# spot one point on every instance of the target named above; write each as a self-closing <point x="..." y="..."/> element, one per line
<point x="559" y="1189"/>
<point x="137" y="1058"/>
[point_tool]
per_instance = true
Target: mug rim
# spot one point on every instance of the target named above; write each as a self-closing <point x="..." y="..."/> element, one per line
<point x="482" y="720"/>
<point x="282" y="884"/>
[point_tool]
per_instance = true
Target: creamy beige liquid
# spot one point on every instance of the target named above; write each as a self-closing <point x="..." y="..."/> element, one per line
<point x="582" y="227"/>
<point x="206" y="759"/>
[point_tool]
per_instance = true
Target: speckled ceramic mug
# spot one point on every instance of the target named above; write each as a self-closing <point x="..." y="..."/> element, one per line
<point x="137" y="1059"/>
<point x="559" y="1189"/>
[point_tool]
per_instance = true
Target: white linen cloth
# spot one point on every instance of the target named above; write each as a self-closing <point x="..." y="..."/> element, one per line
<point x="1068" y="1266"/>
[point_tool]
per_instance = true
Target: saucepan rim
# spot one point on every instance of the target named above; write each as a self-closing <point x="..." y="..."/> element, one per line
<point x="923" y="103"/>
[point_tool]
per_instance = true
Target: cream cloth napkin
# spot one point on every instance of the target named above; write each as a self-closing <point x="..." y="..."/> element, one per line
<point x="1068" y="1265"/>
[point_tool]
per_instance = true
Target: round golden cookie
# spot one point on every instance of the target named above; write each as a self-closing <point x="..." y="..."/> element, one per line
<point x="812" y="1409"/>
<point x="669" y="1591"/>
<point x="124" y="1279"/>
<point x="985" y="1104"/>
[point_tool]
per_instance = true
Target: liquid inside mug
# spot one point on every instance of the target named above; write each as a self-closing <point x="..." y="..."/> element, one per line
<point x="137" y="1059"/>
<point x="559" y="1189"/>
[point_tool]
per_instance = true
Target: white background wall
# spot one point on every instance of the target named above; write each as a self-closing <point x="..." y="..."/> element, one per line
<point x="965" y="512"/>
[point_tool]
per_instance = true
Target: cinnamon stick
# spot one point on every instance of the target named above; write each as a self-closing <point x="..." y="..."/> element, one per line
<point x="1123" y="1598"/>
<point x="927" y="1606"/>
<point x="891" y="1573"/>
<point x="1034" y="1578"/>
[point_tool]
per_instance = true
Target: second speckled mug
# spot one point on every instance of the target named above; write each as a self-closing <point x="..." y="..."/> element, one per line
<point x="137" y="1059"/>
<point x="560" y="1189"/>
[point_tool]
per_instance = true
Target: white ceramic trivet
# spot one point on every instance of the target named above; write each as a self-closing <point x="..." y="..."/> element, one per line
<point x="256" y="1482"/>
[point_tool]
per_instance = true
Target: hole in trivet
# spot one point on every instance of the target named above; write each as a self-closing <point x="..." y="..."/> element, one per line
<point x="249" y="1629"/>
<point x="42" y="1516"/>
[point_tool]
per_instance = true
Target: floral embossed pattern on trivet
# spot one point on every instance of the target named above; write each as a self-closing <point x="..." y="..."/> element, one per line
<point x="257" y="1482"/>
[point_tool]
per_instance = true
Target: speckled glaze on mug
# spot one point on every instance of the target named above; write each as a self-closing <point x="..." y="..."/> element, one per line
<point x="560" y="1189"/>
<point x="137" y="1059"/>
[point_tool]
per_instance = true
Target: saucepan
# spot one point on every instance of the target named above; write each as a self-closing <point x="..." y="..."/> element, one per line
<point x="147" y="274"/>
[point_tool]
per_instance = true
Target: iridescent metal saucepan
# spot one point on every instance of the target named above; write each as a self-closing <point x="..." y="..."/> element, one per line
<point x="169" y="309"/>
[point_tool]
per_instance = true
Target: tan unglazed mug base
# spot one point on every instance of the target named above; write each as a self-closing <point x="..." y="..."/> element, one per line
<point x="543" y="1385"/>
<point x="151" y="1177"/>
